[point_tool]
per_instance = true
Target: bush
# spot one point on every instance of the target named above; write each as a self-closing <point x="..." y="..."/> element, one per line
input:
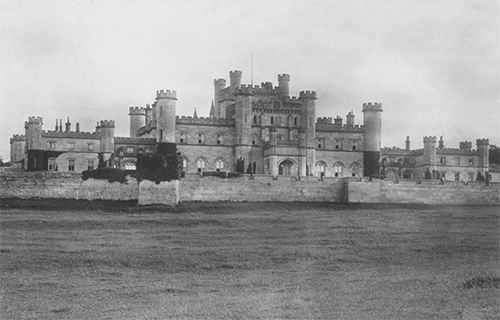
<point x="110" y="174"/>
<point x="159" y="167"/>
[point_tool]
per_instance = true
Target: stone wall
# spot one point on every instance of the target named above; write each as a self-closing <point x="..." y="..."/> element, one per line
<point x="262" y="188"/>
<point x="425" y="192"/>
<point x="57" y="185"/>
<point x="166" y="192"/>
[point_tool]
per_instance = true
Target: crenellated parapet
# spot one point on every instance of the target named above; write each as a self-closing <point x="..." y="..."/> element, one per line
<point x="35" y="120"/>
<point x="331" y="127"/>
<point x="429" y="139"/>
<point x="465" y="145"/>
<point x="283" y="77"/>
<point x="398" y="151"/>
<point x="205" y="121"/>
<point x="456" y="151"/>
<point x="244" y="90"/>
<point x="324" y="120"/>
<point x="291" y="100"/>
<point x="482" y="142"/>
<point x="137" y="111"/>
<point x="307" y="95"/>
<point x="166" y="94"/>
<point x="107" y="123"/>
<point x="372" y="106"/>
<point x="135" y="141"/>
<point x="71" y="134"/>
<point x="18" y="137"/>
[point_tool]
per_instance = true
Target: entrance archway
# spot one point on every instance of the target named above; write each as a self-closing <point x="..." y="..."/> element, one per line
<point x="286" y="168"/>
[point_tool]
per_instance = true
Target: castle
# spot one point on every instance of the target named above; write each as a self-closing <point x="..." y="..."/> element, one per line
<point x="252" y="129"/>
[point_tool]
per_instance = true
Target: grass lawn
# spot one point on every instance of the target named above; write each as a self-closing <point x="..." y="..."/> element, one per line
<point x="249" y="261"/>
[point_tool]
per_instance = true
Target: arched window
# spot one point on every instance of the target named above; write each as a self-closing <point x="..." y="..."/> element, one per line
<point x="129" y="165"/>
<point x="407" y="174"/>
<point x="321" y="168"/>
<point x="219" y="164"/>
<point x="255" y="119"/>
<point x="272" y="119"/>
<point x="201" y="164"/>
<point x="182" y="138"/>
<point x="295" y="121"/>
<point x="356" y="169"/>
<point x="391" y="175"/>
<point x="254" y="140"/>
<point x="338" y="169"/>
<point x="71" y="164"/>
<point x="184" y="164"/>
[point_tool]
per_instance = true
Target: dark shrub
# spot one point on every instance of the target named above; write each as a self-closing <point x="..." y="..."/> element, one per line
<point x="110" y="174"/>
<point x="159" y="167"/>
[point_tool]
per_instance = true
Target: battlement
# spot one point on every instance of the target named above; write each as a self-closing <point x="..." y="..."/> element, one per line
<point x="235" y="73"/>
<point x="430" y="139"/>
<point x="18" y="137"/>
<point x="129" y="140"/>
<point x="293" y="100"/>
<point x="324" y="120"/>
<point x="456" y="151"/>
<point x="338" y="128"/>
<point x="35" y="120"/>
<point x="221" y="82"/>
<point x="166" y="94"/>
<point x="107" y="123"/>
<point x="204" y="121"/>
<point x="307" y="94"/>
<point x="137" y="111"/>
<point x="283" y="77"/>
<point x="244" y="90"/>
<point x="267" y="85"/>
<point x="464" y="145"/>
<point x="372" y="106"/>
<point x="482" y="142"/>
<point x="70" y="134"/>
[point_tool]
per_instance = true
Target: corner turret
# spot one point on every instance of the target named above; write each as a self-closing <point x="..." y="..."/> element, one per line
<point x="137" y="120"/>
<point x="165" y="121"/>
<point x="483" y="149"/>
<point x="284" y="85"/>
<point x="235" y="78"/>
<point x="350" y="119"/>
<point x="33" y="133"/>
<point x="372" y="121"/>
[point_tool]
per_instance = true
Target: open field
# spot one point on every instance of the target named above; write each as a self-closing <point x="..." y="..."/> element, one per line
<point x="250" y="261"/>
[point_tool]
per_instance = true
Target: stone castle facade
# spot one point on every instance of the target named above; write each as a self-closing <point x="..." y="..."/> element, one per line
<point x="253" y="129"/>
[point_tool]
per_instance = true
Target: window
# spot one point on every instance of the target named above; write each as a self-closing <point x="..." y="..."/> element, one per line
<point x="338" y="169"/>
<point x="201" y="164"/>
<point x="130" y="150"/>
<point x="295" y="121"/>
<point x="338" y="144"/>
<point x="219" y="164"/>
<point x="356" y="169"/>
<point x="354" y="145"/>
<point x="201" y="138"/>
<point x="272" y="120"/>
<point x="149" y="150"/>
<point x="52" y="145"/>
<point x="407" y="175"/>
<point x="406" y="161"/>
<point x="90" y="164"/>
<point x="71" y="164"/>
<point x="254" y="141"/>
<point x="471" y="162"/>
<point x="52" y="164"/>
<point x="140" y="151"/>
<point x="219" y="139"/>
<point x="321" y="143"/>
<point x="182" y="138"/>
<point x="443" y="175"/>
<point x="255" y="119"/>
<point x="321" y="168"/>
<point x="91" y="146"/>
<point x="129" y="165"/>
<point x="184" y="164"/>
<point x="457" y="176"/>
<point x="71" y="146"/>
<point x="442" y="160"/>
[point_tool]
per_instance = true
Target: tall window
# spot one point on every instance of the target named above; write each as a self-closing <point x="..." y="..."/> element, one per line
<point x="201" y="138"/>
<point x="71" y="164"/>
<point x="52" y="145"/>
<point x="184" y="164"/>
<point x="129" y="165"/>
<point x="90" y="164"/>
<point x="182" y="137"/>
<point x="338" y="144"/>
<point x="201" y="164"/>
<point x="219" y="164"/>
<point x="52" y="164"/>
<point x="338" y="168"/>
<point x="354" y="145"/>
<point x="272" y="120"/>
<point x="91" y="146"/>
<point x="130" y="150"/>
<point x="442" y="160"/>
<point x="457" y="176"/>
<point x="471" y="162"/>
<point x="219" y="139"/>
<point x="295" y="121"/>
<point x="255" y="119"/>
<point x="356" y="169"/>
<point x="321" y="168"/>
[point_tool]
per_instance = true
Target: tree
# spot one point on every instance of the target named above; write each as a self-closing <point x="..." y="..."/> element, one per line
<point x="480" y="177"/>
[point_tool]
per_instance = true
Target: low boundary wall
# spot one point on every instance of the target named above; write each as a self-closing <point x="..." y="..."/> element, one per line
<point x="258" y="188"/>
<point x="424" y="191"/>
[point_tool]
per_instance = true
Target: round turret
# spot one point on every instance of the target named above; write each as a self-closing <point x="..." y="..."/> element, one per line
<point x="284" y="85"/>
<point x="372" y="121"/>
<point x="165" y="116"/>
<point x="137" y="120"/>
<point x="235" y="78"/>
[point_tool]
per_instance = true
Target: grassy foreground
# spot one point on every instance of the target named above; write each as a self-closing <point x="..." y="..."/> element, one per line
<point x="250" y="261"/>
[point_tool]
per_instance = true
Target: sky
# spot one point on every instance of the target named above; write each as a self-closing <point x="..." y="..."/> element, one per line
<point x="434" y="65"/>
